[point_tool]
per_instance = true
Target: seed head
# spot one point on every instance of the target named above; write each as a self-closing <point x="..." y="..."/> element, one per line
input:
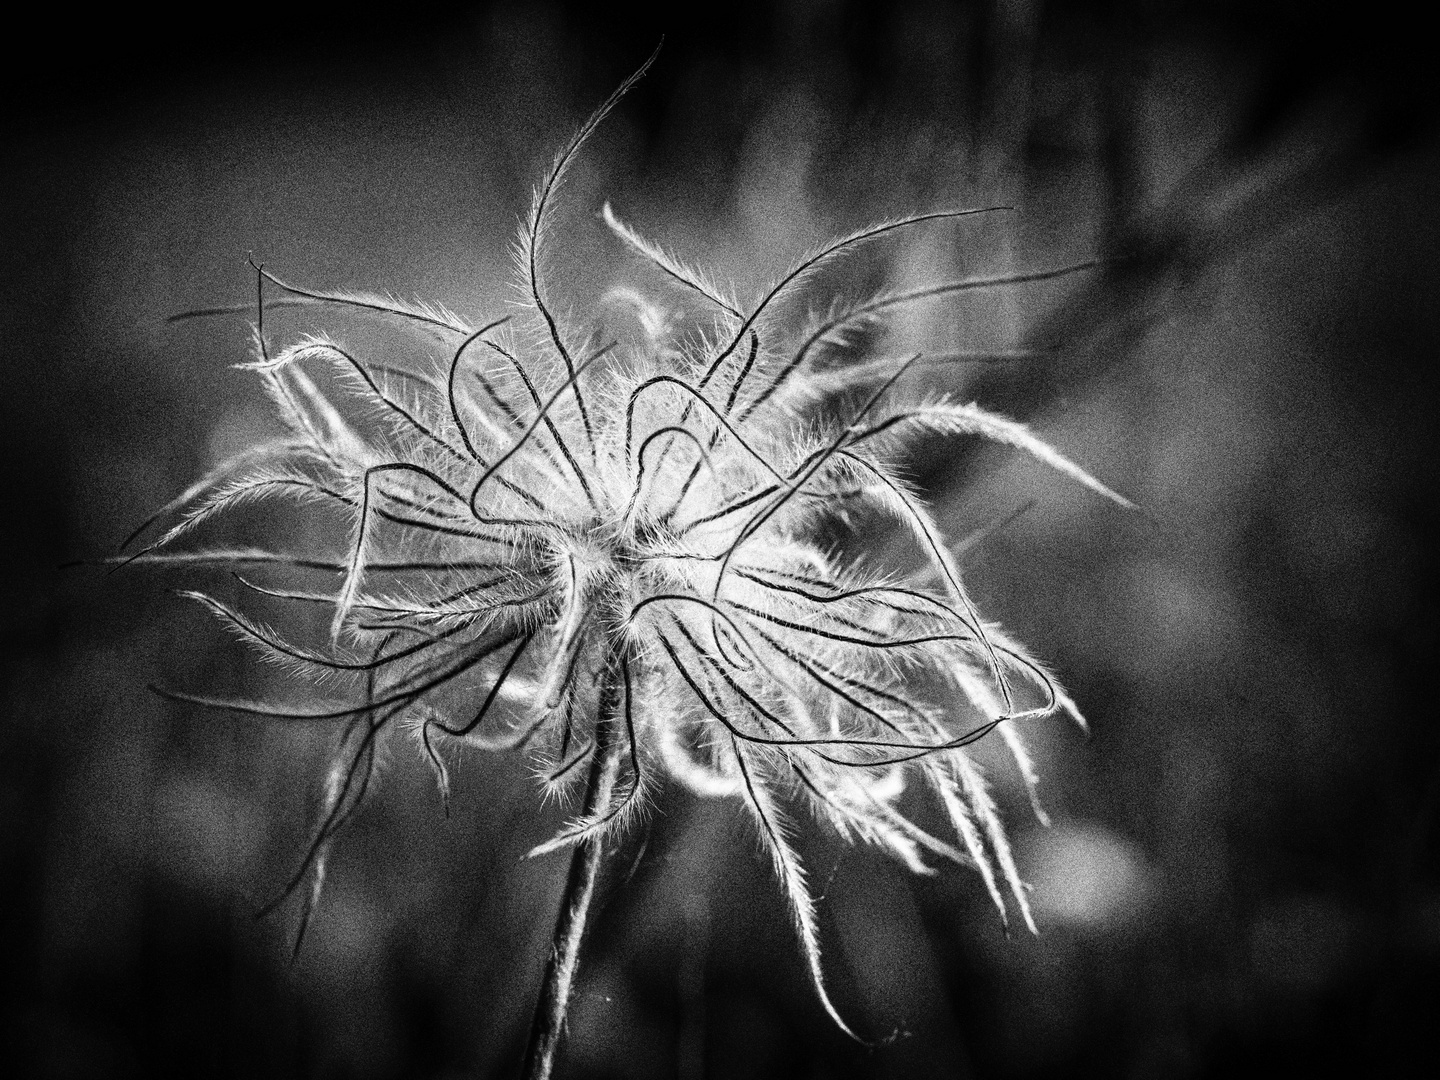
<point x="541" y="522"/>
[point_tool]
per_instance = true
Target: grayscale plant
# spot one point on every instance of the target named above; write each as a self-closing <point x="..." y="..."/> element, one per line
<point x="609" y="556"/>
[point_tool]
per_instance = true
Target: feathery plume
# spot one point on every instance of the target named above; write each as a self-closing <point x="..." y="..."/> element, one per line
<point x="622" y="542"/>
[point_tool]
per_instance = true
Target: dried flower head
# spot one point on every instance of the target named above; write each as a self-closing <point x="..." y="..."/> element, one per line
<point x="607" y="554"/>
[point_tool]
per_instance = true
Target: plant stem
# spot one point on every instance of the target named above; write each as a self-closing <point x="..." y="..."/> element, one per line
<point x="554" y="1003"/>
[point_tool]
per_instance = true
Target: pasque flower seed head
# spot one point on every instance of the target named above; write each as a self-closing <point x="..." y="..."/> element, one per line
<point x="609" y="551"/>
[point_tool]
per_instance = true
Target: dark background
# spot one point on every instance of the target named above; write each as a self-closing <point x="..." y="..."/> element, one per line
<point x="1242" y="872"/>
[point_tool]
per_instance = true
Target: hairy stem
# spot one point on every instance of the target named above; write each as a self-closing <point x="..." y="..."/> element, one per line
<point x="548" y="1026"/>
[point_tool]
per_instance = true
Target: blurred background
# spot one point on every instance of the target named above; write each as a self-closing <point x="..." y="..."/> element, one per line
<point x="1243" y="870"/>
